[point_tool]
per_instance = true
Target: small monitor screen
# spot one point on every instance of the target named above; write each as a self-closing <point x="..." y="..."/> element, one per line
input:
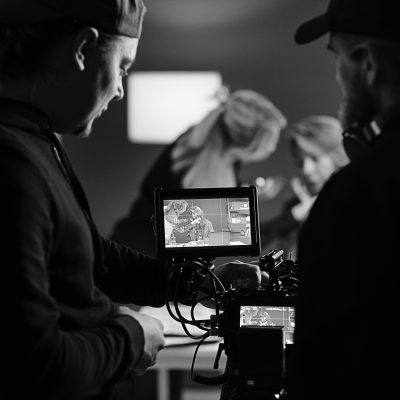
<point x="257" y="316"/>
<point x="206" y="222"/>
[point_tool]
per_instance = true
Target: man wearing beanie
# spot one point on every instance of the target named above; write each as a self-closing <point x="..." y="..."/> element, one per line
<point x="66" y="332"/>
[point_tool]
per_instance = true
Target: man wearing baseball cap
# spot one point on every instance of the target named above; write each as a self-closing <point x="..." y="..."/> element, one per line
<point x="344" y="343"/>
<point x="66" y="332"/>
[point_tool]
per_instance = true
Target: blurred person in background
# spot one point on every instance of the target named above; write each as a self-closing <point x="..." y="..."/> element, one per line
<point x="317" y="150"/>
<point x="245" y="128"/>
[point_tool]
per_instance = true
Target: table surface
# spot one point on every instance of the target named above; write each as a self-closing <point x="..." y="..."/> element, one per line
<point x="180" y="349"/>
<point x="181" y="358"/>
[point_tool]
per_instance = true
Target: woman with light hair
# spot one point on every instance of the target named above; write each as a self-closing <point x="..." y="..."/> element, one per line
<point x="244" y="128"/>
<point x="317" y="149"/>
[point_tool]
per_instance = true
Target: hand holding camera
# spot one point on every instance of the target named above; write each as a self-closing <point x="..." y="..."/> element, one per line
<point x="237" y="274"/>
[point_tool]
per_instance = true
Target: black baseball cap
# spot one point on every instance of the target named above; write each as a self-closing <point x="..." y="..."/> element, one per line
<point x="120" y="17"/>
<point x="371" y="18"/>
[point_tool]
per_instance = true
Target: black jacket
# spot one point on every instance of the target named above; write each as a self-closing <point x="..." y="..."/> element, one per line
<point x="61" y="280"/>
<point x="346" y="341"/>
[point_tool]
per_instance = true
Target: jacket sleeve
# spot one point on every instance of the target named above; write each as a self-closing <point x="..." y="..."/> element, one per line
<point x="132" y="277"/>
<point x="49" y="356"/>
<point x="146" y="280"/>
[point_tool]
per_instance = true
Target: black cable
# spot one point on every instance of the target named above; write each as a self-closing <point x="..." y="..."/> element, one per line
<point x="205" y="380"/>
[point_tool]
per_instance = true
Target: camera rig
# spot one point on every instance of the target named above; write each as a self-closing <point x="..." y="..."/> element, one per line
<point x="256" y="323"/>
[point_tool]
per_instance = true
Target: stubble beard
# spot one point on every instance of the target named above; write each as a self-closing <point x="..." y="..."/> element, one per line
<point x="357" y="106"/>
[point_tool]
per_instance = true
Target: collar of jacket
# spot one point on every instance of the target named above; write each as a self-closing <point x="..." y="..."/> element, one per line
<point x="26" y="117"/>
<point x="388" y="117"/>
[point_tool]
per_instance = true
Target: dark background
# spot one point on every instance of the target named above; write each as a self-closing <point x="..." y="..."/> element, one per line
<point x="250" y="42"/>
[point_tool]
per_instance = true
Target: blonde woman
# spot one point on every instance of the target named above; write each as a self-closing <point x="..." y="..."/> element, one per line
<point x="244" y="128"/>
<point x="317" y="150"/>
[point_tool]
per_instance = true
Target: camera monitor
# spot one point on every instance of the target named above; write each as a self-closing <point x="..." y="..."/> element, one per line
<point x="268" y="315"/>
<point x="210" y="222"/>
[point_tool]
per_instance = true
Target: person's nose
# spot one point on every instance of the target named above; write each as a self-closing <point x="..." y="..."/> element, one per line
<point x="120" y="91"/>
<point x="307" y="166"/>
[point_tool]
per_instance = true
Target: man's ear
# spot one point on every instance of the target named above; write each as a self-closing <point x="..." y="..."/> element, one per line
<point x="373" y="69"/>
<point x="82" y="42"/>
<point x="366" y="57"/>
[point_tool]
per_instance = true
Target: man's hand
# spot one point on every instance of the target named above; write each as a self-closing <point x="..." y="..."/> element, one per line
<point x="235" y="274"/>
<point x="239" y="274"/>
<point x="153" y="337"/>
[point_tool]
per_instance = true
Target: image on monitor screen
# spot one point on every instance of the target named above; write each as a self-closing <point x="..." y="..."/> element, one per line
<point x="212" y="221"/>
<point x="207" y="222"/>
<point x="257" y="316"/>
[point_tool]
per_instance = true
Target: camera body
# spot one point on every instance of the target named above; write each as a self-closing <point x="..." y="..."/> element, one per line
<point x="257" y="326"/>
<point x="193" y="227"/>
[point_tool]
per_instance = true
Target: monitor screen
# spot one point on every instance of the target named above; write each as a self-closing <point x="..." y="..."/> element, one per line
<point x="262" y="315"/>
<point x="207" y="222"/>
